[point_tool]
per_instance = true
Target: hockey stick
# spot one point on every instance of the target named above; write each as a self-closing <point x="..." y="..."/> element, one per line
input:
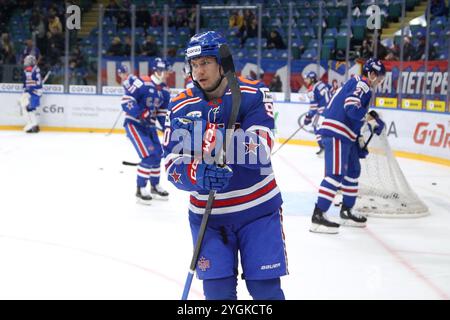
<point x="228" y="68"/>
<point x="126" y="163"/>
<point x="370" y="138"/>
<point x="286" y="141"/>
<point x="46" y="76"/>
<point x="115" y="123"/>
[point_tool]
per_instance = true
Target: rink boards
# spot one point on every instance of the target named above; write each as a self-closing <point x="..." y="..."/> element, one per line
<point x="413" y="134"/>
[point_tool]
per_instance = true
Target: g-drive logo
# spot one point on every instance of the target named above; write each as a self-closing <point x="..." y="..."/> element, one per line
<point x="194" y="51"/>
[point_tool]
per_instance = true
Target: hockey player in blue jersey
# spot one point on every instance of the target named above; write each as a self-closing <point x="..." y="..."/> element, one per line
<point x="145" y="103"/>
<point x="343" y="118"/>
<point x="319" y="96"/>
<point x="246" y="214"/>
<point x="30" y="99"/>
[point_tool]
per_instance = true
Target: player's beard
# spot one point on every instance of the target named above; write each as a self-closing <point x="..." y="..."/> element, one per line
<point x="215" y="86"/>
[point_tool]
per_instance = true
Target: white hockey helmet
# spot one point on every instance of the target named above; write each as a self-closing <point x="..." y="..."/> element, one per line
<point x="29" y="61"/>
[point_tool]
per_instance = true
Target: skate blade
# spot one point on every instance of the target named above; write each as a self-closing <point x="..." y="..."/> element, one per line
<point x="318" y="228"/>
<point x="351" y="223"/>
<point x="160" y="198"/>
<point x="144" y="202"/>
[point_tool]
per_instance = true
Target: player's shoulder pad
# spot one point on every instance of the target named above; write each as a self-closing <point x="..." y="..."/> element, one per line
<point x="183" y="95"/>
<point x="253" y="87"/>
<point x="146" y="79"/>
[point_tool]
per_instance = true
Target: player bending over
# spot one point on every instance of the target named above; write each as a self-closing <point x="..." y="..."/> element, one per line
<point x="340" y="130"/>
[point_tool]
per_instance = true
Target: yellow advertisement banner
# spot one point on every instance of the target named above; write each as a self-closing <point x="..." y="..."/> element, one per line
<point x="386" y="102"/>
<point x="436" y="106"/>
<point x="412" y="104"/>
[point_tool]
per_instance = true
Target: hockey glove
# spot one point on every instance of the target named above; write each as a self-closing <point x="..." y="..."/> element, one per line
<point x="212" y="177"/>
<point x="146" y="118"/>
<point x="362" y="152"/>
<point x="307" y="120"/>
<point x="379" y="124"/>
<point x="362" y="148"/>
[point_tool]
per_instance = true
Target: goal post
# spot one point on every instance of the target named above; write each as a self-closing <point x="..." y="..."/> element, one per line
<point x="383" y="188"/>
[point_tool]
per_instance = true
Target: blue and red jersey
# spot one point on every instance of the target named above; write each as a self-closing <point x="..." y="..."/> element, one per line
<point x="253" y="188"/>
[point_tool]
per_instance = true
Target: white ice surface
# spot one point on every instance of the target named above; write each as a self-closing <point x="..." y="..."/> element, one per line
<point x="70" y="229"/>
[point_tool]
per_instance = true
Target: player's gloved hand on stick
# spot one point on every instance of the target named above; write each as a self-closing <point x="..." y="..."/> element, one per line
<point x="362" y="152"/>
<point x="213" y="177"/>
<point x="379" y="124"/>
<point x="307" y="120"/>
<point x="146" y="118"/>
<point x="362" y="148"/>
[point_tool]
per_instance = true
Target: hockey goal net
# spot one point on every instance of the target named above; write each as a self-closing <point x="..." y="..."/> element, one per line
<point x="383" y="189"/>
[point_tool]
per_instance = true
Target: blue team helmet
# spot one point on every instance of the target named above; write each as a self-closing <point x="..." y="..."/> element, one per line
<point x="312" y="75"/>
<point x="122" y="69"/>
<point x="159" y="65"/>
<point x="205" y="44"/>
<point x="374" y="65"/>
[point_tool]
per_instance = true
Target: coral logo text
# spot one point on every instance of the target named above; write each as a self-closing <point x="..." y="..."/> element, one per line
<point x="435" y="137"/>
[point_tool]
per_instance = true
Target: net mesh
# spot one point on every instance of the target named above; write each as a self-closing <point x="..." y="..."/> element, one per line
<point x="383" y="189"/>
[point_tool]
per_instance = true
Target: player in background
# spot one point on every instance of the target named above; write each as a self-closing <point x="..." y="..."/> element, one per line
<point x="246" y="215"/>
<point x="32" y="92"/>
<point x="340" y="129"/>
<point x="319" y="96"/>
<point x="145" y="103"/>
<point x="188" y="84"/>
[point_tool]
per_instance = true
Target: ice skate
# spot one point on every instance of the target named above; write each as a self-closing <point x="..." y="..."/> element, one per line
<point x="321" y="224"/>
<point x="350" y="219"/>
<point x="143" y="196"/>
<point x="159" y="193"/>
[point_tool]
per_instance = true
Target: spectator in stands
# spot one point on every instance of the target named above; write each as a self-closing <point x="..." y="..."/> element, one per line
<point x="30" y="50"/>
<point x="275" y="84"/>
<point x="249" y="31"/>
<point x="236" y="20"/>
<point x="381" y="49"/>
<point x="127" y="46"/>
<point x="37" y="26"/>
<point x="408" y="49"/>
<point x="275" y="41"/>
<point x="112" y="9"/>
<point x="192" y="18"/>
<point x="365" y="51"/>
<point x="116" y="48"/>
<point x="181" y="18"/>
<point x="149" y="48"/>
<point x="419" y="52"/>
<point x="156" y="19"/>
<point x="7" y="53"/>
<point x="438" y="8"/>
<point x="77" y="74"/>
<point x="123" y="19"/>
<point x="143" y="17"/>
<point x="54" y="52"/>
<point x="54" y="25"/>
